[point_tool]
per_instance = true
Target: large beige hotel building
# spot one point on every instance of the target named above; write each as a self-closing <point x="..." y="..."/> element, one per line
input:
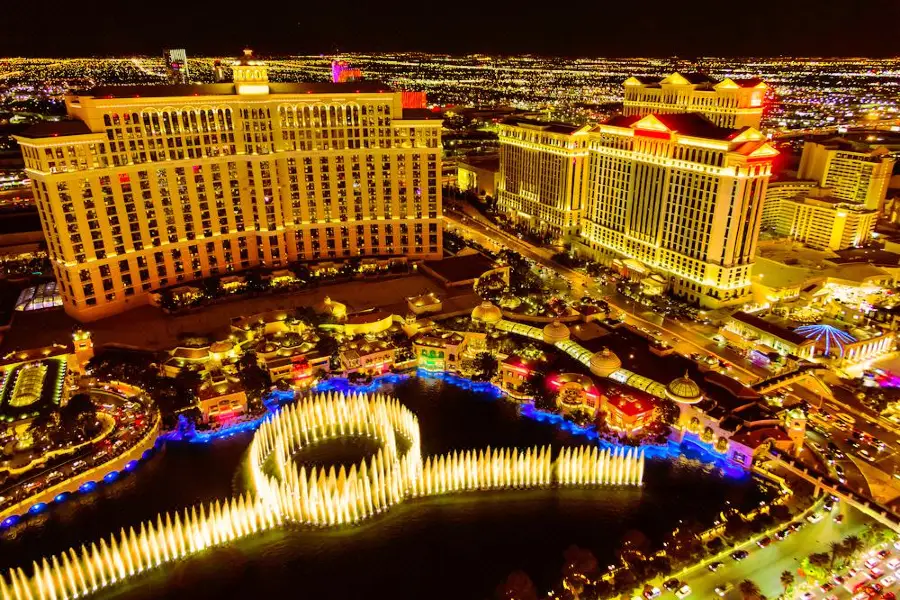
<point x="151" y="186"/>
<point x="676" y="185"/>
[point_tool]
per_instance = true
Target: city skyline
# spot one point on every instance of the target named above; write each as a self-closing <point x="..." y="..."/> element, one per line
<point x="798" y="28"/>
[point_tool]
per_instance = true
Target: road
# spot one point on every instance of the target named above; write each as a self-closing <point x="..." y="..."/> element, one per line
<point x="765" y="565"/>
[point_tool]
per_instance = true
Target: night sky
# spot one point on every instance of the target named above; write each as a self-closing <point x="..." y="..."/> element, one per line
<point x="551" y="27"/>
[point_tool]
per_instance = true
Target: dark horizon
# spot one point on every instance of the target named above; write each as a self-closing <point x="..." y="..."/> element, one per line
<point x="705" y="28"/>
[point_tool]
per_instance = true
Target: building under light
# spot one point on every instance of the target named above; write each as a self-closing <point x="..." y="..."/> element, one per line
<point x="676" y="193"/>
<point x="542" y="174"/>
<point x="176" y="66"/>
<point x="148" y="187"/>
<point x="733" y="103"/>
<point x="681" y="196"/>
<point x="825" y="222"/>
<point x="854" y="173"/>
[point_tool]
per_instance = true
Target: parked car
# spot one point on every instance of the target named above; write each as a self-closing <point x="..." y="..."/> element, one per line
<point x="739" y="554"/>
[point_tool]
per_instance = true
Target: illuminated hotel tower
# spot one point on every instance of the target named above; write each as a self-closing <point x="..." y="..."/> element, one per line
<point x="681" y="196"/>
<point x="146" y="189"/>
<point x="670" y="193"/>
<point x="733" y="103"/>
<point x="542" y="170"/>
<point x="176" y="66"/>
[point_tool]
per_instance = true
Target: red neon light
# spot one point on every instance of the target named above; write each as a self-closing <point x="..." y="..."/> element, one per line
<point x="649" y="133"/>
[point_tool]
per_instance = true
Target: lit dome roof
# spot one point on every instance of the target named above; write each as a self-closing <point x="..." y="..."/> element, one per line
<point x="486" y="313"/>
<point x="331" y="307"/>
<point x="604" y="362"/>
<point x="555" y="332"/>
<point x="221" y="346"/>
<point x="684" y="390"/>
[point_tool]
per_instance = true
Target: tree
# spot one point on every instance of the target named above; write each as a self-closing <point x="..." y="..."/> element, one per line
<point x="787" y="580"/>
<point x="485" y="366"/>
<point x="852" y="545"/>
<point x="668" y="411"/>
<point x="255" y="379"/>
<point x="212" y="287"/>
<point x="819" y="559"/>
<point x="836" y="549"/>
<point x="518" y="586"/>
<point x="79" y="414"/>
<point x="749" y="590"/>
<point x="579" y="563"/>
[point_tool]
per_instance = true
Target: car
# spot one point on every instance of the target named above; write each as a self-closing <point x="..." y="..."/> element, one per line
<point x="782" y="534"/>
<point x="684" y="591"/>
<point x="829" y="506"/>
<point x="871" y="562"/>
<point x="797" y="526"/>
<point x="860" y="596"/>
<point x="826" y="587"/>
<point x="839" y="519"/>
<point x="651" y="592"/>
<point x="841" y="426"/>
<point x="876" y="572"/>
<point x="889" y="596"/>
<point x="877" y="588"/>
<point x="814" y="518"/>
<point x="888" y="581"/>
<point x="807" y="596"/>
<point x="893" y="564"/>
<point x="739" y="554"/>
<point x="839" y="579"/>
<point x="722" y="590"/>
<point x="884" y="553"/>
<point x="764" y="542"/>
<point x="671" y="585"/>
<point x="715" y="566"/>
<point x="846" y="418"/>
<point x="817" y="446"/>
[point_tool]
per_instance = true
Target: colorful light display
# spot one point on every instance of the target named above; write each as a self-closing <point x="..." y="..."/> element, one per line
<point x="830" y="335"/>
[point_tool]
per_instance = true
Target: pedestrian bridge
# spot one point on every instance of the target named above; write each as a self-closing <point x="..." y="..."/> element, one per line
<point x="866" y="505"/>
<point x="806" y="372"/>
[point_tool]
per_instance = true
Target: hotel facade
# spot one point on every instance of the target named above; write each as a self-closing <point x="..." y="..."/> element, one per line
<point x="671" y="190"/>
<point x="152" y="186"/>
<point x="733" y="103"/>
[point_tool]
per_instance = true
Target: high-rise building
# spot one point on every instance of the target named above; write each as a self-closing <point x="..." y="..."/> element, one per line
<point x="176" y="66"/>
<point x="680" y="196"/>
<point x="780" y="189"/>
<point x="542" y="174"/>
<point x="151" y="186"/>
<point x="824" y="222"/>
<point x="854" y="173"/>
<point x="342" y="72"/>
<point x="733" y="103"/>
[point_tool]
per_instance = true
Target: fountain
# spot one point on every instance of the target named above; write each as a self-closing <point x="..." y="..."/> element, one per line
<point x="284" y="491"/>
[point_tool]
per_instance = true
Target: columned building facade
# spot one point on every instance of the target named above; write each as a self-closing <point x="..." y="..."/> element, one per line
<point x="151" y="186"/>
<point x="682" y="197"/>
<point x="542" y="173"/>
<point x="733" y="103"/>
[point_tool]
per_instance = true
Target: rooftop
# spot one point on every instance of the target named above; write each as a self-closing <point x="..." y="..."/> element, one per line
<point x="689" y="124"/>
<point x="548" y="126"/>
<point x="770" y="328"/>
<point x="47" y="129"/>
<point x="460" y="268"/>
<point x="228" y="89"/>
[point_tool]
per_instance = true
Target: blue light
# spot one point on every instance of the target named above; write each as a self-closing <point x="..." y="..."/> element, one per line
<point x="147" y="454"/>
<point x="61" y="497"/>
<point x="10" y="521"/>
<point x="38" y="508"/>
<point x="827" y="333"/>
<point x="87" y="487"/>
<point x="111" y="476"/>
<point x="131" y="465"/>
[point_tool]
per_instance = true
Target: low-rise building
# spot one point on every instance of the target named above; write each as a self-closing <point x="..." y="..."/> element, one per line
<point x="221" y="398"/>
<point x="826" y="222"/>
<point x="366" y="356"/>
<point x="515" y="374"/>
<point x="479" y="174"/>
<point x="758" y="333"/>
<point x="628" y="412"/>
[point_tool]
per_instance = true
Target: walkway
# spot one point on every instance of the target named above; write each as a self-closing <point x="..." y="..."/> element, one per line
<point x="583" y="355"/>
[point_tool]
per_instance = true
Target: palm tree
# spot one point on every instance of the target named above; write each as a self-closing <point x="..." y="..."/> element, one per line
<point x="852" y="545"/>
<point x="749" y="590"/>
<point x="837" y="549"/>
<point x="787" y="580"/>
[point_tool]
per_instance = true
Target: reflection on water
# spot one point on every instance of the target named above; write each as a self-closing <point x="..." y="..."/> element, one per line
<point x="448" y="547"/>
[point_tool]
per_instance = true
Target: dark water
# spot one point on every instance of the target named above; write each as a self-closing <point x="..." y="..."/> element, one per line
<point x="454" y="547"/>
